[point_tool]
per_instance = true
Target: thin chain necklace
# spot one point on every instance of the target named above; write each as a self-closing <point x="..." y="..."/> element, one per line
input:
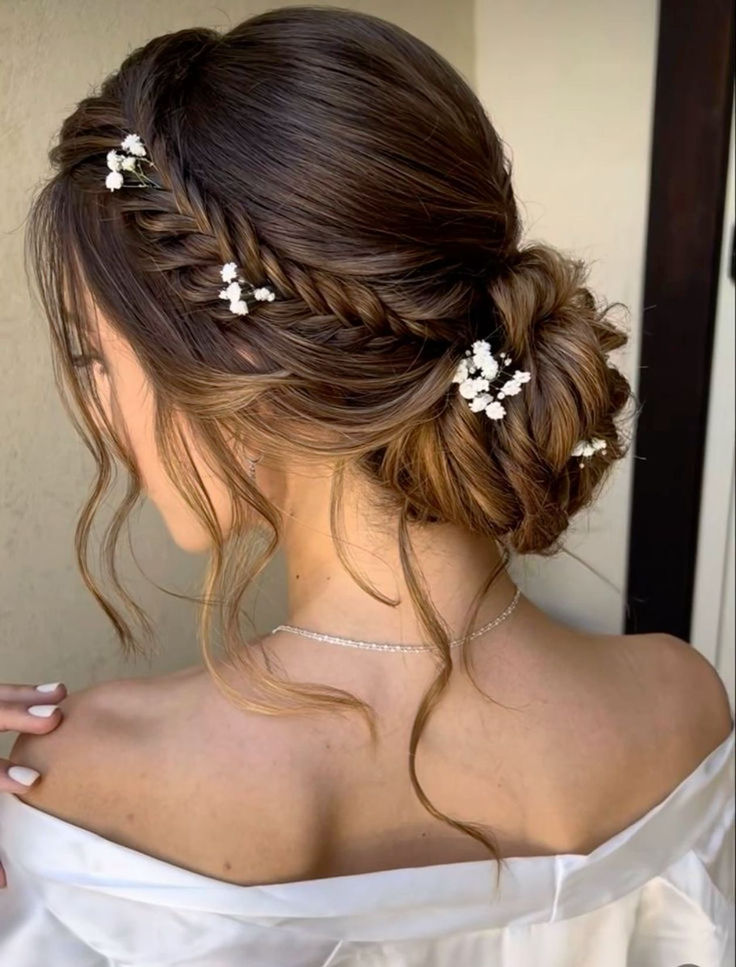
<point x="376" y="646"/>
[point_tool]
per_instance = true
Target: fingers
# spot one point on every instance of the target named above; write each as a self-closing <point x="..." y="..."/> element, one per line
<point x="15" y="703"/>
<point x="25" y="708"/>
<point x="15" y="778"/>
<point x="31" y="709"/>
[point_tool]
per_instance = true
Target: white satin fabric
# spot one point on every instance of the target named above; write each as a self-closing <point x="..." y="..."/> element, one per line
<point x="658" y="894"/>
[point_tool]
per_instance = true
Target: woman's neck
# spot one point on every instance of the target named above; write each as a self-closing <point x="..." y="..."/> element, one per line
<point x="324" y="597"/>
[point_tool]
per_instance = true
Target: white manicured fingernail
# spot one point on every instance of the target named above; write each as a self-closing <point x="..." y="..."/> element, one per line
<point x="23" y="775"/>
<point x="43" y="711"/>
<point x="50" y="687"/>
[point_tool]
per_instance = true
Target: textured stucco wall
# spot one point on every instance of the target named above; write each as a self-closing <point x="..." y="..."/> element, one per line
<point x="51" y="55"/>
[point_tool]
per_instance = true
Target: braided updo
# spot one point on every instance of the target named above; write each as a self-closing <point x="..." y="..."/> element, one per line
<point x="344" y="163"/>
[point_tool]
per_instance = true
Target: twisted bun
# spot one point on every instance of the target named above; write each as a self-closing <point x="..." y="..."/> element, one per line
<point x="515" y="479"/>
<point x="553" y="324"/>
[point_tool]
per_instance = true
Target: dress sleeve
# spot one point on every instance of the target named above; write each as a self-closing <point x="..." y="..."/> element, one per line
<point x="719" y="855"/>
<point x="30" y="933"/>
<point x="720" y="861"/>
<point x="716" y="850"/>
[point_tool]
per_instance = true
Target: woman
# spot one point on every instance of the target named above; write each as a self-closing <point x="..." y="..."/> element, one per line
<point x="286" y="289"/>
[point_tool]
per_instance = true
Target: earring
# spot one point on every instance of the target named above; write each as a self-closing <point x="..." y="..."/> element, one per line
<point x="252" y="466"/>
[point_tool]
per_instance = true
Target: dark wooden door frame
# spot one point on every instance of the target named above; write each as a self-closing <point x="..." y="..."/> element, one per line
<point x="689" y="159"/>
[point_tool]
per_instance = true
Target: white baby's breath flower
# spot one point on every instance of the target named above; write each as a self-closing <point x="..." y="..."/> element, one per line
<point x="471" y="387"/>
<point x="510" y="388"/>
<point x="495" y="411"/>
<point x="129" y="163"/>
<point x="133" y="145"/>
<point x="481" y="348"/>
<point x="489" y="367"/>
<point x="232" y="292"/>
<point x="513" y="386"/>
<point x="114" y="160"/>
<point x="586" y="448"/>
<point x="478" y="370"/>
<point x="481" y="353"/>
<point x="462" y="372"/>
<point x="480" y="402"/>
<point x="468" y="389"/>
<point x="114" y="180"/>
<point x="229" y="272"/>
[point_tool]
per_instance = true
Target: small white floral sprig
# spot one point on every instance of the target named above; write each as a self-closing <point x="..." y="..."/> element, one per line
<point x="586" y="448"/>
<point x="475" y="373"/>
<point x="234" y="293"/>
<point x="135" y="155"/>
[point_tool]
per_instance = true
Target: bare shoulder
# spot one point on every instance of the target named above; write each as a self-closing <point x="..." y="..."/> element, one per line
<point x="129" y="732"/>
<point x="693" y="691"/>
<point x="80" y="759"/>
<point x="150" y="763"/>
<point x="689" y="711"/>
<point x="639" y="714"/>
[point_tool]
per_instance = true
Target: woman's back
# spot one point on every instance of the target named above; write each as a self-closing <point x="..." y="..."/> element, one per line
<point x="612" y="793"/>
<point x="591" y="732"/>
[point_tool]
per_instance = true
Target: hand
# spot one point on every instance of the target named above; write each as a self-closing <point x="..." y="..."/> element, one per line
<point x="15" y="700"/>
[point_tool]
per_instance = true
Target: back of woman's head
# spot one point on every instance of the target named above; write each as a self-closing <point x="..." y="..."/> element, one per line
<point x="344" y="163"/>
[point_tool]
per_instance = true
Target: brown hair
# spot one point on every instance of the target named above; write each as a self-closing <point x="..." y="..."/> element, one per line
<point x="342" y="161"/>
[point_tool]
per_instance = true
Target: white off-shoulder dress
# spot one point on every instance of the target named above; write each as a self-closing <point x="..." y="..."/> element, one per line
<point x="660" y="893"/>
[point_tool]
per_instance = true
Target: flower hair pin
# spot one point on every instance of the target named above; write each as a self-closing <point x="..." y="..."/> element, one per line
<point x="475" y="373"/>
<point x="130" y="161"/>
<point x="586" y="448"/>
<point x="234" y="292"/>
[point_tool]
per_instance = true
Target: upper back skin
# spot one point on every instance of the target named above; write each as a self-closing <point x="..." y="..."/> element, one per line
<point x="597" y="729"/>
